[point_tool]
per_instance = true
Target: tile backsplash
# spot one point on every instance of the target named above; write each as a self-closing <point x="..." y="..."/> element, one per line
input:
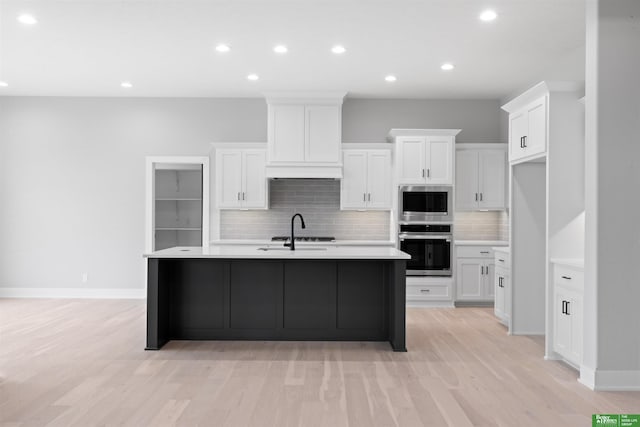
<point x="481" y="225"/>
<point x="318" y="200"/>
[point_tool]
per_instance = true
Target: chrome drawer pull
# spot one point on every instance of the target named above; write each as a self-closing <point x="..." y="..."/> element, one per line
<point x="566" y="277"/>
<point x="425" y="290"/>
<point x="484" y="252"/>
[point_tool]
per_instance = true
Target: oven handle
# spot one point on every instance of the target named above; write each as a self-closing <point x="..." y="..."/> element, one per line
<point x="432" y="237"/>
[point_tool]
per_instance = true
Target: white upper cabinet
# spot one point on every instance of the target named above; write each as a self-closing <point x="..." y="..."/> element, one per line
<point x="424" y="156"/>
<point x="287" y="131"/>
<point x="480" y="177"/>
<point x="240" y="179"/>
<point x="366" y="183"/>
<point x="528" y="131"/>
<point x="323" y="138"/>
<point x="304" y="135"/>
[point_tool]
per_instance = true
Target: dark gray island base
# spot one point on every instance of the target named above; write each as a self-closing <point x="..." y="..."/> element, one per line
<point x="275" y="299"/>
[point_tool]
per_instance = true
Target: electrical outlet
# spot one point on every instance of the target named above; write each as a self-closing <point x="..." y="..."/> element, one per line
<point x="85" y="277"/>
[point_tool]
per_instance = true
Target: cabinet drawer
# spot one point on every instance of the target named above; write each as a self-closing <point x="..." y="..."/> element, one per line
<point x="568" y="276"/>
<point x="439" y="292"/>
<point x="474" y="252"/>
<point x="503" y="260"/>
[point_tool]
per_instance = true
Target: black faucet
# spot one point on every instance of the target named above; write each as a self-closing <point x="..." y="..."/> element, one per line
<point x="292" y="243"/>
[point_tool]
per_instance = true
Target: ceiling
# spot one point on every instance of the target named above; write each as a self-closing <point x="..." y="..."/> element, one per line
<point x="167" y="48"/>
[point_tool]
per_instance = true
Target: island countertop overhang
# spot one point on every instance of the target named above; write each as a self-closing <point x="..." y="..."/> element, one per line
<point x="258" y="252"/>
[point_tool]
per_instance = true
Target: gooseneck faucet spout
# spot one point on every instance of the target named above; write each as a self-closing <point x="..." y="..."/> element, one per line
<point x="292" y="242"/>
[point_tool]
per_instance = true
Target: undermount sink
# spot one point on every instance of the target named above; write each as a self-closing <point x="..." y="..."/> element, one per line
<point x="287" y="249"/>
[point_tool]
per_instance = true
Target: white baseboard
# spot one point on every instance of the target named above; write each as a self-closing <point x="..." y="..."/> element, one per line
<point x="600" y="380"/>
<point x="84" y="293"/>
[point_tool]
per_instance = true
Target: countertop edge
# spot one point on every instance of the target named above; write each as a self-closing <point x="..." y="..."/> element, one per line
<point x="571" y="262"/>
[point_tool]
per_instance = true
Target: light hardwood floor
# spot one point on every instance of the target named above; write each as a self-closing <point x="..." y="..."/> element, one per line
<point x="82" y="363"/>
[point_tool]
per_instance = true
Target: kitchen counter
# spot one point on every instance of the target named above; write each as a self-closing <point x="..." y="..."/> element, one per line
<point x="481" y="243"/>
<point x="279" y="252"/>
<point x="240" y="292"/>
<point x="571" y="262"/>
<point x="227" y="242"/>
<point x="505" y="249"/>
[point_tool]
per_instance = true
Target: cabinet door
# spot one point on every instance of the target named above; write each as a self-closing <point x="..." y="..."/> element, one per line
<point x="467" y="180"/>
<point x="379" y="180"/>
<point x="518" y="128"/>
<point x="323" y="133"/>
<point x="229" y="174"/>
<point x="469" y="278"/>
<point x="536" y="141"/>
<point x="439" y="160"/>
<point x="561" y="324"/>
<point x="353" y="194"/>
<point x="411" y="159"/>
<point x="491" y="176"/>
<point x="575" y="313"/>
<point x="254" y="186"/>
<point x="489" y="275"/>
<point x="499" y="291"/>
<point x="286" y="133"/>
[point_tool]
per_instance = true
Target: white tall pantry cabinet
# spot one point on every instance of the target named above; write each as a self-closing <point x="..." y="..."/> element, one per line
<point x="546" y="155"/>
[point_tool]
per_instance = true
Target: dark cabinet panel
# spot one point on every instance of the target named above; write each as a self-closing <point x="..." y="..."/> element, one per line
<point x="310" y="295"/>
<point x="255" y="295"/>
<point x="197" y="288"/>
<point x="361" y="295"/>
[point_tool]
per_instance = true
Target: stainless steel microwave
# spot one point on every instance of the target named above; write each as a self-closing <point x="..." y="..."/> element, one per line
<point x="425" y="203"/>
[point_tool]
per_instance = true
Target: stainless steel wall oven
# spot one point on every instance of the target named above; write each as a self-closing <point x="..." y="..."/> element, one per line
<point x="430" y="247"/>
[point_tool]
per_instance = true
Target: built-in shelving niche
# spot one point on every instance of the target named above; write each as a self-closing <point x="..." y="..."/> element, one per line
<point x="176" y="204"/>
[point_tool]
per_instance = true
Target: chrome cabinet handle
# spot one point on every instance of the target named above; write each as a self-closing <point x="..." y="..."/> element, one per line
<point x="238" y="195"/>
<point x="484" y="252"/>
<point x="364" y="197"/>
<point x="428" y="173"/>
<point x="501" y="260"/>
<point x="425" y="290"/>
<point x="480" y="196"/>
<point x="476" y="197"/>
<point x="423" y="173"/>
<point x="369" y="197"/>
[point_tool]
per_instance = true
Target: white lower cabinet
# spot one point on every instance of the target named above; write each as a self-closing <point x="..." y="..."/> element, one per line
<point x="568" y="318"/>
<point x="502" y="286"/>
<point x="474" y="273"/>
<point x="422" y="290"/>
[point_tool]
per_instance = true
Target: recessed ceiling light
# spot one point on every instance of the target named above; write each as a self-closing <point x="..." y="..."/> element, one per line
<point x="488" y="15"/>
<point x="338" y="49"/>
<point x="390" y="78"/>
<point x="223" y="48"/>
<point x="280" y="49"/>
<point x="252" y="77"/>
<point x="447" y="67"/>
<point x="126" y="85"/>
<point x="27" y="19"/>
<point x="3" y="84"/>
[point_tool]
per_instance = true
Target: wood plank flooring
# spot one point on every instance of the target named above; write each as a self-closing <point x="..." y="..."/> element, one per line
<point x="82" y="363"/>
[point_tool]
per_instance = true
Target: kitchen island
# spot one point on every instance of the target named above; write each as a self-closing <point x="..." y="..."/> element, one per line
<point x="272" y="293"/>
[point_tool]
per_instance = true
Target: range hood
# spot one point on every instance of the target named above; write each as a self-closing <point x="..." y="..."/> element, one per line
<point x="304" y="135"/>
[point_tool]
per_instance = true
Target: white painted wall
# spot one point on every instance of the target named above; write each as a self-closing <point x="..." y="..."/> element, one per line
<point x="72" y="172"/>
<point x="612" y="198"/>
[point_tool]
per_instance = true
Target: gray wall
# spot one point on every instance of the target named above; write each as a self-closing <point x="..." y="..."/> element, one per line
<point x="612" y="199"/>
<point x="369" y="120"/>
<point x="72" y="171"/>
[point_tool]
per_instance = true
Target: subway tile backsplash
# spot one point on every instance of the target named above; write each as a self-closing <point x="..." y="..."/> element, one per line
<point x="481" y="225"/>
<point x="318" y="200"/>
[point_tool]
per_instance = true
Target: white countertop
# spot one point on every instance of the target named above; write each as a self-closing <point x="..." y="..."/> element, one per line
<point x="505" y="249"/>
<point x="269" y="242"/>
<point x="254" y="252"/>
<point x="481" y="242"/>
<point x="571" y="262"/>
